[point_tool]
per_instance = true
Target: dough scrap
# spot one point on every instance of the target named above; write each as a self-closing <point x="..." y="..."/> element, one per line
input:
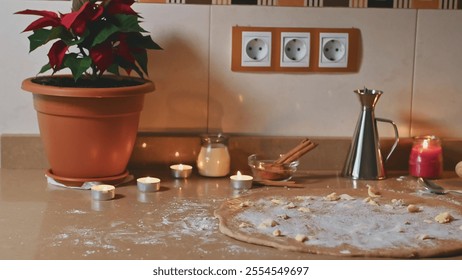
<point x="284" y="216"/>
<point x="290" y="206"/>
<point x="373" y="191"/>
<point x="245" y="204"/>
<point x="244" y="225"/>
<point x="276" y="201"/>
<point x="304" y="209"/>
<point x="268" y="223"/>
<point x="332" y="197"/>
<point x="301" y="237"/>
<point x="412" y="208"/>
<point x="424" y="237"/>
<point x="371" y="201"/>
<point x="444" y="218"/>
<point x="277" y="232"/>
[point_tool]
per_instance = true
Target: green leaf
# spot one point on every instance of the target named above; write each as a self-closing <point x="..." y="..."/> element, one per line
<point x="142" y="59"/>
<point x="45" y="68"/>
<point x="38" y="38"/>
<point x="145" y="42"/>
<point x="42" y="36"/>
<point x="128" y="23"/>
<point x="114" y="69"/>
<point x="105" y="33"/>
<point x="78" y="65"/>
<point x="129" y="66"/>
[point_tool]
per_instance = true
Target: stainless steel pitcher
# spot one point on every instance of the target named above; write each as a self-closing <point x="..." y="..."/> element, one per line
<point x="364" y="160"/>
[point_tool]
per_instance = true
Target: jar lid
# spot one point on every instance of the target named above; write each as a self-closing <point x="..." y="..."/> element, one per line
<point x="214" y="138"/>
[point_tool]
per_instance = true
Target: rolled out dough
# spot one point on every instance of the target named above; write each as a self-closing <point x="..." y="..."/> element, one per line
<point x="355" y="225"/>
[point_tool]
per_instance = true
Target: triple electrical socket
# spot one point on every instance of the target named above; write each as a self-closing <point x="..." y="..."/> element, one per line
<point x="290" y="49"/>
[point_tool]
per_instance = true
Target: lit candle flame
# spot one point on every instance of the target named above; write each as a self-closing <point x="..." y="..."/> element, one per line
<point x="425" y="144"/>
<point x="180" y="166"/>
<point x="239" y="174"/>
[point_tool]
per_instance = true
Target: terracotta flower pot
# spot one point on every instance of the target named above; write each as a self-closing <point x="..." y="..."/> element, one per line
<point x="88" y="133"/>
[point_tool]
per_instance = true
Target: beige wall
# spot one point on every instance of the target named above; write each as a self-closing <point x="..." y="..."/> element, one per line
<point x="413" y="56"/>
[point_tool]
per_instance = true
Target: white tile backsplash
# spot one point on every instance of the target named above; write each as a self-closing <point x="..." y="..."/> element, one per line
<point x="413" y="56"/>
<point x="437" y="100"/>
<point x="312" y="104"/>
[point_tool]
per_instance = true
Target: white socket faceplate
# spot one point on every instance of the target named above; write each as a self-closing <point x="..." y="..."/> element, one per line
<point x="333" y="50"/>
<point x="295" y="49"/>
<point x="256" y="49"/>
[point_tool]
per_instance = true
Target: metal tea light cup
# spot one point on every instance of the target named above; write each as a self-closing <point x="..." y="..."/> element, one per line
<point x="181" y="171"/>
<point x="148" y="184"/>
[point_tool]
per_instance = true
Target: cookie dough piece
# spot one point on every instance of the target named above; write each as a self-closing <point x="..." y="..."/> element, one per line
<point x="277" y="232"/>
<point x="245" y="204"/>
<point x="371" y="201"/>
<point x="332" y="197"/>
<point x="290" y="206"/>
<point x="372" y="191"/>
<point x="268" y="223"/>
<point x="284" y="216"/>
<point x="304" y="209"/>
<point x="411" y="208"/>
<point x="276" y="201"/>
<point x="444" y="218"/>
<point x="301" y="237"/>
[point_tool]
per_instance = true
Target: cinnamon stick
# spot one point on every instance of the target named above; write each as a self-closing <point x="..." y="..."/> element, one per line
<point x="302" y="148"/>
<point x="300" y="153"/>
<point x="289" y="184"/>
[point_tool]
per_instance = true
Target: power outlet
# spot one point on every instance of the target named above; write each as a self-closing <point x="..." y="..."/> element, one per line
<point x="256" y="49"/>
<point x="295" y="49"/>
<point x="333" y="50"/>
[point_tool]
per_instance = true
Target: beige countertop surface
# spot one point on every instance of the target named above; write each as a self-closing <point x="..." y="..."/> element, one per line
<point x="41" y="221"/>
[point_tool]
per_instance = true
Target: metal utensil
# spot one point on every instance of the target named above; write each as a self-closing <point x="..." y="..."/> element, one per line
<point x="364" y="160"/>
<point x="435" y="188"/>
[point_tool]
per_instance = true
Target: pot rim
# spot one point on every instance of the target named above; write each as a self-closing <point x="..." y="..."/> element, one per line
<point x="146" y="87"/>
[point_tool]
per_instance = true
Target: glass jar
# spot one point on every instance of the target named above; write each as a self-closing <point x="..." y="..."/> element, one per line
<point x="214" y="159"/>
<point x="426" y="158"/>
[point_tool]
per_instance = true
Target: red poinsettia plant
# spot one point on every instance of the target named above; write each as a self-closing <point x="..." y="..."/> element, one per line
<point x="98" y="36"/>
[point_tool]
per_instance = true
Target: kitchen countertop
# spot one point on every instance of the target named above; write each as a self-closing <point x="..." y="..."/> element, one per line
<point x="41" y="221"/>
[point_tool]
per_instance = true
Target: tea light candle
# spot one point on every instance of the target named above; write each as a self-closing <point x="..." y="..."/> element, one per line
<point x="426" y="158"/>
<point x="241" y="182"/>
<point x="181" y="170"/>
<point x="148" y="184"/>
<point x="103" y="192"/>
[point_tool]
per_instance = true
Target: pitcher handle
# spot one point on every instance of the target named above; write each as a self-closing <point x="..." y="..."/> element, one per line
<point x="396" y="135"/>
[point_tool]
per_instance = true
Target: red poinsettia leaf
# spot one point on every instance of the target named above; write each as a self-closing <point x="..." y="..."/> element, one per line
<point x="47" y="14"/>
<point x="42" y="22"/>
<point x="56" y="54"/>
<point x="68" y="19"/>
<point x="102" y="56"/>
<point x="120" y="7"/>
<point x="96" y="13"/>
<point x="123" y="49"/>
<point x="77" y="21"/>
<point x="48" y="19"/>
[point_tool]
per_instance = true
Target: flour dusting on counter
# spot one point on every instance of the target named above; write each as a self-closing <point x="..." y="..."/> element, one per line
<point x="181" y="219"/>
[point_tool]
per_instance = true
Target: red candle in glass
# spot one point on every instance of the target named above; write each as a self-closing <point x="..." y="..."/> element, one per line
<point x="426" y="159"/>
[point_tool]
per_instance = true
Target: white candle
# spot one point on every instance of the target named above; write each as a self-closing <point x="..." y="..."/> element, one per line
<point x="241" y="182"/>
<point x="148" y="184"/>
<point x="181" y="170"/>
<point x="103" y="192"/>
